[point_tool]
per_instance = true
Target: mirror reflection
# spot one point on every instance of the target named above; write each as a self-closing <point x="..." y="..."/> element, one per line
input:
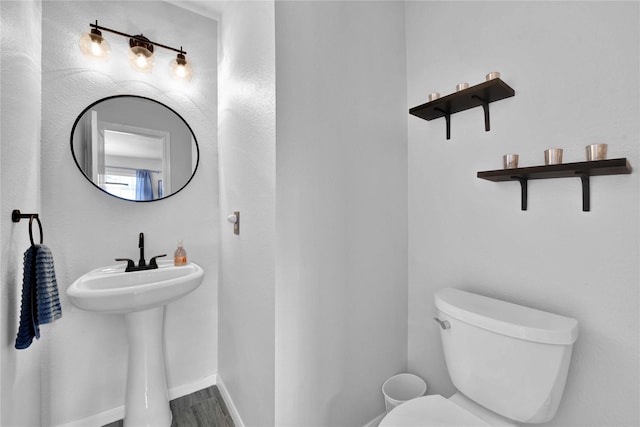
<point x="134" y="148"/>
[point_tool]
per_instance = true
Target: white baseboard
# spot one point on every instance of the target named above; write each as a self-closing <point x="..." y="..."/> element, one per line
<point x="116" y="414"/>
<point x="185" y="389"/>
<point x="233" y="411"/>
<point x="100" y="419"/>
<point x="374" y="422"/>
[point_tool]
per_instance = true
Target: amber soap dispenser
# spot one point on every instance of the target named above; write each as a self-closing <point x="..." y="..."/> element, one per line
<point x="180" y="257"/>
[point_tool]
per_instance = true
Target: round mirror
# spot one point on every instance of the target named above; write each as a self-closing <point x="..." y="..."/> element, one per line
<point x="134" y="148"/>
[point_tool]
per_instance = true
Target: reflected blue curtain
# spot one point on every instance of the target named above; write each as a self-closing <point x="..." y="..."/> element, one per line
<point x="144" y="190"/>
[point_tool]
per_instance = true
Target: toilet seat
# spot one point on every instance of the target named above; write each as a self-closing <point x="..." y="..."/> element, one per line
<point x="432" y="410"/>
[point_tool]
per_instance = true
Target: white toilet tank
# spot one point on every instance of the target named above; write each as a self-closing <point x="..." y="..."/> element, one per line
<point x="508" y="358"/>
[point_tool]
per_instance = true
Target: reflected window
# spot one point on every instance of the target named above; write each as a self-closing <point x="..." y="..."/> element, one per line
<point x="121" y="184"/>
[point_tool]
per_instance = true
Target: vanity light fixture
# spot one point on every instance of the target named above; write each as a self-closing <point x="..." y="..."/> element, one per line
<point x="94" y="46"/>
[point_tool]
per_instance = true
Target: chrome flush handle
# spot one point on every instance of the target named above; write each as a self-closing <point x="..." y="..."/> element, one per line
<point x="444" y="324"/>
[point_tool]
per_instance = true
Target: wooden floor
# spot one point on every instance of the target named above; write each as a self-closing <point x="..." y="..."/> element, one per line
<point x="204" y="408"/>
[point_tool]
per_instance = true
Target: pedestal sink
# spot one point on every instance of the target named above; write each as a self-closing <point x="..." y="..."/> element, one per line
<point x="141" y="296"/>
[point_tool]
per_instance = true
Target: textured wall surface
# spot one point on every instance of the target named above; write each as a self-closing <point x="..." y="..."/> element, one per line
<point x="341" y="292"/>
<point x="85" y="367"/>
<point x="247" y="178"/>
<point x="574" y="67"/>
<point x="20" y="90"/>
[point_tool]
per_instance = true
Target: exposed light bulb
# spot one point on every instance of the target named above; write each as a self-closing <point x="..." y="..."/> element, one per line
<point x="141" y="61"/>
<point x="96" y="48"/>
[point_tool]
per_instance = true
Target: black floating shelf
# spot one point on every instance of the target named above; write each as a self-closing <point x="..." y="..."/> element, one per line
<point x="475" y="96"/>
<point x="582" y="170"/>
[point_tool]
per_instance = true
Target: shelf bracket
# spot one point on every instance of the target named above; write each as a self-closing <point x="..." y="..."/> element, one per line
<point x="523" y="191"/>
<point x="485" y="107"/>
<point x="447" y="118"/>
<point x="586" y="191"/>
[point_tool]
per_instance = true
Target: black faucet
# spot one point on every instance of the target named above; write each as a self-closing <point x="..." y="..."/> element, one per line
<point x="141" y="261"/>
<point x="142" y="264"/>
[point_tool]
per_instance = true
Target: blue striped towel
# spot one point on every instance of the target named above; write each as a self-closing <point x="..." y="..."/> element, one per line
<point x="40" y="299"/>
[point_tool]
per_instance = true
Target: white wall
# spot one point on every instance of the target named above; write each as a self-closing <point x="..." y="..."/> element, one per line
<point x="247" y="184"/>
<point x="85" y="365"/>
<point x="341" y="295"/>
<point x="574" y="67"/>
<point x="20" y="88"/>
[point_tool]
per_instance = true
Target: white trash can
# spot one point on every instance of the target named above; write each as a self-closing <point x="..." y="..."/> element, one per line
<point x="402" y="387"/>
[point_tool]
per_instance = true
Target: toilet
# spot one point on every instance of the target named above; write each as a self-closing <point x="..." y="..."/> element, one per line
<point x="508" y="362"/>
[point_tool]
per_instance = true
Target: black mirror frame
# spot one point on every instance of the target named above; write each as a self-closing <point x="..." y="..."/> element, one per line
<point x="81" y="115"/>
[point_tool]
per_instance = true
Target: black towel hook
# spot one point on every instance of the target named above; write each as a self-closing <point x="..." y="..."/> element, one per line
<point x="16" y="216"/>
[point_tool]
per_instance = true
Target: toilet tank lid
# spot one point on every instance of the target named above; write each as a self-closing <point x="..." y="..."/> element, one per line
<point x="507" y="318"/>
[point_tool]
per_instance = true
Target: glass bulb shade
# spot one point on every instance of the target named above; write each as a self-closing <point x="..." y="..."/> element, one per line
<point x="141" y="59"/>
<point x="94" y="46"/>
<point x="180" y="69"/>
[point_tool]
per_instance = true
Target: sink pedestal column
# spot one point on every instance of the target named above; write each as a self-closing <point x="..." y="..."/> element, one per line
<point x="147" y="403"/>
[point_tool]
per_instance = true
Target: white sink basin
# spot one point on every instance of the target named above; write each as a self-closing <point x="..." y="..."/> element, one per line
<point x="141" y="297"/>
<point x="111" y="290"/>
